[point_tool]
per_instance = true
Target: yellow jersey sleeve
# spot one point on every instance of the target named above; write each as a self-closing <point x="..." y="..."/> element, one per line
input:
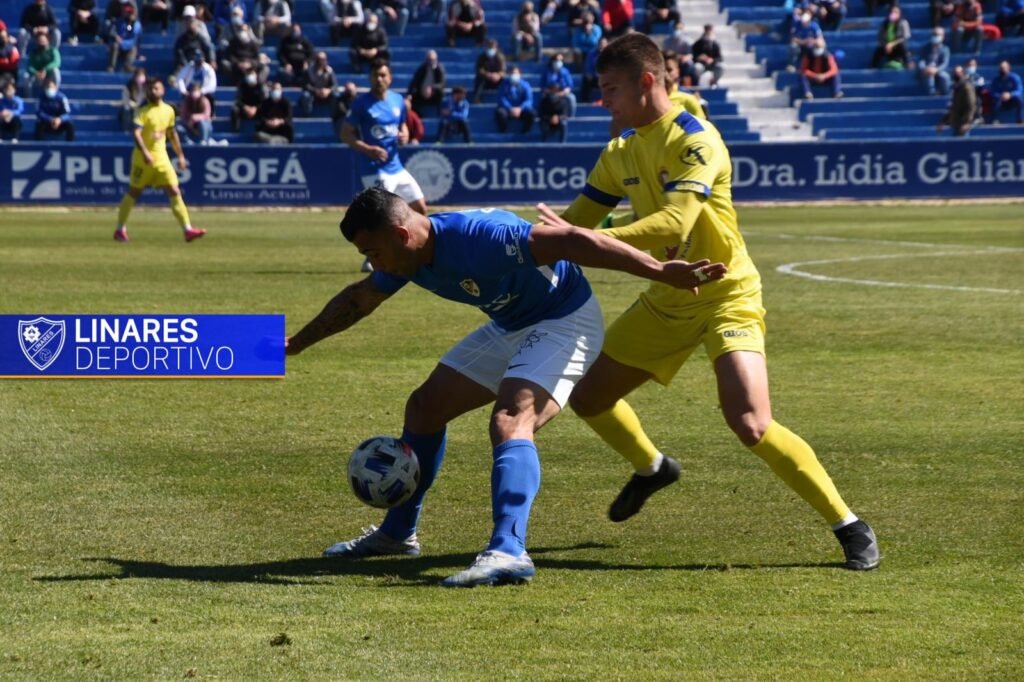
<point x="603" y="185"/>
<point x="696" y="167"/>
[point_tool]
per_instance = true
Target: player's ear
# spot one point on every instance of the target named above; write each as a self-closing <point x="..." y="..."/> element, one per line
<point x="403" y="234"/>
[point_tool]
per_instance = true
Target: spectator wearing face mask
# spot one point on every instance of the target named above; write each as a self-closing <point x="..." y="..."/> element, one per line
<point x="893" y="35"/>
<point x="132" y="97"/>
<point x="556" y="82"/>
<point x="198" y="72"/>
<point x="427" y="85"/>
<point x="232" y="30"/>
<point x="1007" y="92"/>
<point x="321" y="83"/>
<point x="490" y="70"/>
<point x="295" y="53"/>
<point x="274" y="122"/>
<point x="272" y="17"/>
<point x="455" y="116"/>
<point x="515" y="103"/>
<point x="243" y="55"/>
<point x="963" y="105"/>
<point x="53" y="114"/>
<point x="707" y="57"/>
<point x="802" y="38"/>
<point x="249" y="96"/>
<point x="196" y="117"/>
<point x="369" y="43"/>
<point x="819" y="67"/>
<point x="934" y="64"/>
<point x="223" y="10"/>
<point x="977" y="81"/>
<point x="526" y="33"/>
<point x="43" y="64"/>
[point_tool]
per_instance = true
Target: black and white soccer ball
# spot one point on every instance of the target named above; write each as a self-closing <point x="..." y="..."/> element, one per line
<point x="383" y="471"/>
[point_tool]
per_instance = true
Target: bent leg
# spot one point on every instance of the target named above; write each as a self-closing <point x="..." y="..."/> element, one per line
<point x="445" y="395"/>
<point x="743" y="392"/>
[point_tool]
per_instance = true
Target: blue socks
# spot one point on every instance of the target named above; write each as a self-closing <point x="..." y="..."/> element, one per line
<point x="400" y="521"/>
<point x="515" y="480"/>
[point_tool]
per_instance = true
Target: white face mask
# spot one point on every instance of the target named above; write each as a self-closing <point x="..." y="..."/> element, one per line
<point x="557" y="64"/>
<point x="275" y="94"/>
<point x="491" y="52"/>
<point x="971" y="70"/>
<point x="251" y="79"/>
<point x="515" y="78"/>
<point x="818" y="51"/>
<point x="371" y="26"/>
<point x="51" y="92"/>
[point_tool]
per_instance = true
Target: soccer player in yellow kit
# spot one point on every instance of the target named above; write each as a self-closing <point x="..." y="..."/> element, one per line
<point x="151" y="166"/>
<point x="676" y="171"/>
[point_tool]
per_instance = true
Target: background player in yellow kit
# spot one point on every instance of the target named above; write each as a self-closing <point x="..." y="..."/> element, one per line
<point x="676" y="171"/>
<point x="151" y="166"/>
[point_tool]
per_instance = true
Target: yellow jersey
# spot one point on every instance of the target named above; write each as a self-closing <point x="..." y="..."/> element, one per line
<point x="676" y="153"/>
<point x="155" y="120"/>
<point x="687" y="101"/>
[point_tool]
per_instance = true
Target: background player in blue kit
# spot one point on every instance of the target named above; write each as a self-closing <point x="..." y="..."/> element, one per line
<point x="375" y="127"/>
<point x="545" y="330"/>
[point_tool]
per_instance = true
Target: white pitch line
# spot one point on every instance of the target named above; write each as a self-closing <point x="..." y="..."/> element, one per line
<point x="791" y="269"/>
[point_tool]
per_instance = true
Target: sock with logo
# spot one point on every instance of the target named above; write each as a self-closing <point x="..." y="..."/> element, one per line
<point x="124" y="210"/>
<point x="515" y="480"/>
<point x="400" y="522"/>
<point x="793" y="460"/>
<point x="180" y="211"/>
<point x="620" y="428"/>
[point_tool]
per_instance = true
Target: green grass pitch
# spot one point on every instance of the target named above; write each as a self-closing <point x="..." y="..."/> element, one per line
<point x="169" y="529"/>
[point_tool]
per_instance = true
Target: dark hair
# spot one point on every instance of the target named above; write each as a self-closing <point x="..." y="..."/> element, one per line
<point x="458" y="90"/>
<point x="633" y="53"/>
<point x="372" y="209"/>
<point x="379" y="62"/>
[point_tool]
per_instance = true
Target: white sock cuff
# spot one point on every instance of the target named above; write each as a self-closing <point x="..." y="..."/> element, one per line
<point x="845" y="521"/>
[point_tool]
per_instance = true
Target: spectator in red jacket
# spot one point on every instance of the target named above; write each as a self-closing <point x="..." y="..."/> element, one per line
<point x="617" y="17"/>
<point x="967" y="26"/>
<point x="819" y="68"/>
<point x="413" y="122"/>
<point x="9" y="56"/>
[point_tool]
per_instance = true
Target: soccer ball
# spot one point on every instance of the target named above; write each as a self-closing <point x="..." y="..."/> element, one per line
<point x="383" y="471"/>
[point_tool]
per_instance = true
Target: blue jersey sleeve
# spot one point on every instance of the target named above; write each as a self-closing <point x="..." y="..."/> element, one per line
<point x="496" y="243"/>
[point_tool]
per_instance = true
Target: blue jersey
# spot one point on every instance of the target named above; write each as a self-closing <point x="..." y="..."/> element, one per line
<point x="483" y="258"/>
<point x="378" y="122"/>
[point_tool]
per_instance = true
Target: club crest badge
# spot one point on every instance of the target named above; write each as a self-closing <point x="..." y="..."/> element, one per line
<point x="41" y="341"/>
<point x="470" y="286"/>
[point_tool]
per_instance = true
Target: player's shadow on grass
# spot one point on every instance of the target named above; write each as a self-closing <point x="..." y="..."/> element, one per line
<point x="391" y="571"/>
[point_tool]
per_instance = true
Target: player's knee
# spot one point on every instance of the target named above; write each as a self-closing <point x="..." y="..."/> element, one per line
<point x="421" y="414"/>
<point x="749" y="427"/>
<point x="588" y="404"/>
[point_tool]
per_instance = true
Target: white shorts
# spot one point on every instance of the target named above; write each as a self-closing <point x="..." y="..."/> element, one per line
<point x="554" y="354"/>
<point x="401" y="183"/>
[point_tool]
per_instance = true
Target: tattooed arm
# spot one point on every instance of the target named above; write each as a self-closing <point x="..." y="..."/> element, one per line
<point x="355" y="302"/>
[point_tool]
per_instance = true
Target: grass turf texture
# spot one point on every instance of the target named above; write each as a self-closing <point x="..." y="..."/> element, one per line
<point x="160" y="529"/>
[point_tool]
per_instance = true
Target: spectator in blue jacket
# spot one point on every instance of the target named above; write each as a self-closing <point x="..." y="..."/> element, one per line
<point x="934" y="63"/>
<point x="455" y="115"/>
<point x="804" y="34"/>
<point x="586" y="37"/>
<point x="11" y="109"/>
<point x="1007" y="92"/>
<point x="556" y="82"/>
<point x="515" y="101"/>
<point x="124" y="39"/>
<point x="53" y="114"/>
<point x="1011" y="16"/>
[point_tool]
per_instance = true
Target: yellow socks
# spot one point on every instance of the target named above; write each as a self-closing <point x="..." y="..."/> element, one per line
<point x="179" y="211"/>
<point x="124" y="210"/>
<point x="620" y="428"/>
<point x="794" y="462"/>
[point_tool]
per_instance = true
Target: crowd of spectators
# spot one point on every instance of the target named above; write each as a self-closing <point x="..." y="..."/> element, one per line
<point x="220" y="42"/>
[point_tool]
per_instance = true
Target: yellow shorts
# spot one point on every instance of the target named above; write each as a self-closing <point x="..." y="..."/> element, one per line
<point x="648" y="339"/>
<point x="155" y="175"/>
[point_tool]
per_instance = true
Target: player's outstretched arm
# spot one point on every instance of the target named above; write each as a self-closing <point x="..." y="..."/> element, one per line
<point x="352" y="304"/>
<point x="669" y="225"/>
<point x="593" y="249"/>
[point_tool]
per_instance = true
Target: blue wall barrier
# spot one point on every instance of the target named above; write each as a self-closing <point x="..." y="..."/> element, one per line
<point x="247" y="175"/>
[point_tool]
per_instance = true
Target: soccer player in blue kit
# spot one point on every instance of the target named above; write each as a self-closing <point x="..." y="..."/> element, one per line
<point x="545" y="330"/>
<point x="375" y="127"/>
